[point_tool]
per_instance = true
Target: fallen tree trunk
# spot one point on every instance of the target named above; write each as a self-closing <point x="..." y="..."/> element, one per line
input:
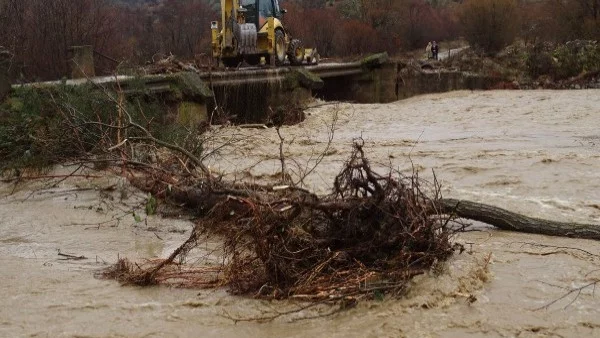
<point x="508" y="220"/>
<point x="489" y="214"/>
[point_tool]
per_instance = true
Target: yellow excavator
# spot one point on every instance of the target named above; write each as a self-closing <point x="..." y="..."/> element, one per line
<point x="252" y="30"/>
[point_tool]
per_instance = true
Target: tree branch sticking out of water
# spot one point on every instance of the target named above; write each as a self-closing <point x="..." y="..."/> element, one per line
<point x="146" y="135"/>
<point x="573" y="291"/>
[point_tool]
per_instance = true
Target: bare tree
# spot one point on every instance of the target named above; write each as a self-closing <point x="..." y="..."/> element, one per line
<point x="183" y="26"/>
<point x="40" y="32"/>
<point x="490" y="24"/>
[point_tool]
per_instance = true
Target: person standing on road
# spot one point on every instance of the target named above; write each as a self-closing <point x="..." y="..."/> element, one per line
<point x="428" y="50"/>
<point x="435" y="49"/>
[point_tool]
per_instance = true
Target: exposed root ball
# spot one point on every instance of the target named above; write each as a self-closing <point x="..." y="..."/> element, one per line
<point x="367" y="238"/>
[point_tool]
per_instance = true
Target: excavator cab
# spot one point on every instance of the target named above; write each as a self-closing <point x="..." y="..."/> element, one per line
<point x="251" y="30"/>
<point x="258" y="11"/>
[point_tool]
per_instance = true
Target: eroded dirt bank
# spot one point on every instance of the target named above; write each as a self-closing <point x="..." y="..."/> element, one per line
<point x="534" y="152"/>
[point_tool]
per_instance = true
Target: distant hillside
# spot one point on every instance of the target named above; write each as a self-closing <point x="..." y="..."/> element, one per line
<point x="152" y="2"/>
<point x="135" y="2"/>
<point x="214" y="4"/>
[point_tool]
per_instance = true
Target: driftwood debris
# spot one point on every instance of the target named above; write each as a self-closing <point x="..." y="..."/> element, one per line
<point x="367" y="238"/>
<point x="70" y="257"/>
<point x="508" y="220"/>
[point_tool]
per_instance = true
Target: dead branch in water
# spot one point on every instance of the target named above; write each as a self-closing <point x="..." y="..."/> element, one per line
<point x="576" y="291"/>
<point x="559" y="250"/>
<point x="70" y="257"/>
<point x="304" y="171"/>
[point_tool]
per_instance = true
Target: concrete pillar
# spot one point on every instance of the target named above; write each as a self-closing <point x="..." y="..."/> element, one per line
<point x="191" y="114"/>
<point x="376" y="84"/>
<point x="285" y="98"/>
<point x="82" y="63"/>
<point x="387" y="78"/>
<point x="4" y="80"/>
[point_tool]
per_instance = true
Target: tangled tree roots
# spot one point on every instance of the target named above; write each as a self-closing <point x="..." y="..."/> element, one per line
<point x="368" y="237"/>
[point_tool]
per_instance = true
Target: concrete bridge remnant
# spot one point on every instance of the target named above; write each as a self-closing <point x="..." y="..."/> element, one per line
<point x="254" y="95"/>
<point x="371" y="80"/>
<point x="262" y="95"/>
<point x="248" y="95"/>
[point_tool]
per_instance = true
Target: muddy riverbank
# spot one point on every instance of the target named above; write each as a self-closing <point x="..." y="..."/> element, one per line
<point x="534" y="152"/>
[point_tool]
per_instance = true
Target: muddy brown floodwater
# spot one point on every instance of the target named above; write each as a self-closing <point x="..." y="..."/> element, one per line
<point x="534" y="152"/>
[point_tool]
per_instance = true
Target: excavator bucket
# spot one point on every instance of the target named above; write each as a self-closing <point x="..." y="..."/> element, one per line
<point x="311" y="56"/>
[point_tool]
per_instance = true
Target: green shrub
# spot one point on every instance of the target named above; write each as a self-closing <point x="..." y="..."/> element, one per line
<point x="539" y="63"/>
<point x="564" y="61"/>
<point x="43" y="126"/>
<point x="590" y="58"/>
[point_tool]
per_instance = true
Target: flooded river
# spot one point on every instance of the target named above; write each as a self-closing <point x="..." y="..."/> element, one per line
<point x="533" y="152"/>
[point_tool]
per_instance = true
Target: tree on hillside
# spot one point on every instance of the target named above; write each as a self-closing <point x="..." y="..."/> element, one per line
<point x="409" y="24"/>
<point x="306" y="3"/>
<point x="590" y="8"/>
<point x="490" y="25"/>
<point x="40" y="32"/>
<point x="316" y="27"/>
<point x="576" y="19"/>
<point x="183" y="26"/>
<point x="352" y="27"/>
<point x="414" y="31"/>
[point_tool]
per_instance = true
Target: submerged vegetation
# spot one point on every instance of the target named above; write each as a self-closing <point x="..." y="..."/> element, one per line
<point x="40" y="127"/>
